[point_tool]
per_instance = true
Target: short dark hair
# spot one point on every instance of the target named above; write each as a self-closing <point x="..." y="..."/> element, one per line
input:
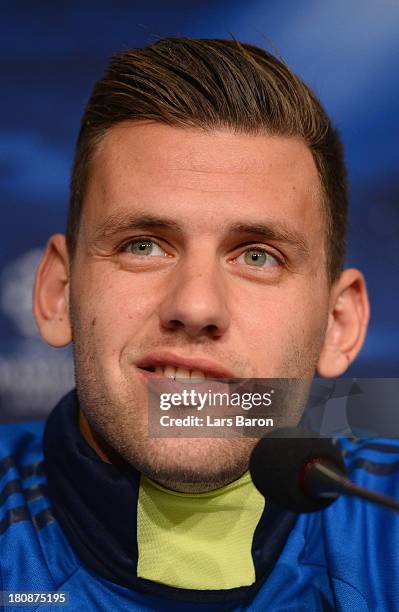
<point x="211" y="84"/>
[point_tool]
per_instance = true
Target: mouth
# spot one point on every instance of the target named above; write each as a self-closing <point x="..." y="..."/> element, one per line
<point x="181" y="368"/>
<point x="170" y="371"/>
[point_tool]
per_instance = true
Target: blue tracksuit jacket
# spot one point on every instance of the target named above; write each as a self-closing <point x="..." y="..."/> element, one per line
<point x="56" y="536"/>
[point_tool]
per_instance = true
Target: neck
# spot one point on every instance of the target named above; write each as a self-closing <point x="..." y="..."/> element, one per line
<point x="195" y="487"/>
<point x="103" y="450"/>
<point x="109" y="455"/>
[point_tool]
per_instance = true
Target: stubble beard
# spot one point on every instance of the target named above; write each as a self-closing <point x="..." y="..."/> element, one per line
<point x="182" y="464"/>
<point x="119" y="424"/>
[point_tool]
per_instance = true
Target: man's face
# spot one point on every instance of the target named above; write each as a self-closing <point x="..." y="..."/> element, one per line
<point x="197" y="248"/>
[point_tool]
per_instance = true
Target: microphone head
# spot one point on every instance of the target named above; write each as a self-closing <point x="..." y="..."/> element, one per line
<point x="278" y="463"/>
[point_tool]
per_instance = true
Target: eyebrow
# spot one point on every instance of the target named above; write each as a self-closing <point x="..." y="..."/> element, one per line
<point x="118" y="223"/>
<point x="276" y="231"/>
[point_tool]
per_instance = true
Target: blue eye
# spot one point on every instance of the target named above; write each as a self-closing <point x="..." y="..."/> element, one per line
<point x="258" y="258"/>
<point x="143" y="247"/>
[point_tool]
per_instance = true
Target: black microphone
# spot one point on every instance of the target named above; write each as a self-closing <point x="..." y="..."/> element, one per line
<point x="304" y="472"/>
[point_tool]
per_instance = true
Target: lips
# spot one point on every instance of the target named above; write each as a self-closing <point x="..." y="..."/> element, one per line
<point x="171" y="365"/>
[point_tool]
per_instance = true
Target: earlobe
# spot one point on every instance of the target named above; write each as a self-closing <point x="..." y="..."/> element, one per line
<point x="347" y="324"/>
<point x="51" y="294"/>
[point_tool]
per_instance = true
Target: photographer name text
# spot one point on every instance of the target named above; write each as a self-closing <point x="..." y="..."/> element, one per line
<point x="209" y="421"/>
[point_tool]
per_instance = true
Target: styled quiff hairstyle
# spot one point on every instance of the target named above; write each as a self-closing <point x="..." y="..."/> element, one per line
<point x="214" y="84"/>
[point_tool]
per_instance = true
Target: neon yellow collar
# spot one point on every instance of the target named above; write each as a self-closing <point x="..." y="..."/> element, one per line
<point x="198" y="540"/>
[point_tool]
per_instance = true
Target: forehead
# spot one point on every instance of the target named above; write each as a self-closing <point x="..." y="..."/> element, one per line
<point x="199" y="174"/>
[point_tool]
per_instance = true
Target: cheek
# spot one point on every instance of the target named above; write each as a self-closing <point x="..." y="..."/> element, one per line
<point x="306" y="324"/>
<point x="279" y="321"/>
<point x="111" y="310"/>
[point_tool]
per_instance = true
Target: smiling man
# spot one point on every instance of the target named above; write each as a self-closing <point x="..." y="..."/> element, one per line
<point x="196" y="250"/>
<point x="205" y="239"/>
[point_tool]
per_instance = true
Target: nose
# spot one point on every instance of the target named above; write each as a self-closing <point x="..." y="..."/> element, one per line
<point x="196" y="302"/>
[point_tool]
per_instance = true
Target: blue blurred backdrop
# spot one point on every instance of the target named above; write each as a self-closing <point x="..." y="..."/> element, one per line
<point x="51" y="54"/>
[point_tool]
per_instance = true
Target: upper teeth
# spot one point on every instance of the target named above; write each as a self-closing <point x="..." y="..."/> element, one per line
<point x="172" y="372"/>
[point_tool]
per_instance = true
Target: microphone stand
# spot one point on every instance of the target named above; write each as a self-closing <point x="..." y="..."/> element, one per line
<point x="321" y="478"/>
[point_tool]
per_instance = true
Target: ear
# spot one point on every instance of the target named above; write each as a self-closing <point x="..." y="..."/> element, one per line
<point x="51" y="294"/>
<point x="348" y="318"/>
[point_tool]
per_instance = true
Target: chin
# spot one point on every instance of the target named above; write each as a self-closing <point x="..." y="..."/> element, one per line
<point x="191" y="464"/>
